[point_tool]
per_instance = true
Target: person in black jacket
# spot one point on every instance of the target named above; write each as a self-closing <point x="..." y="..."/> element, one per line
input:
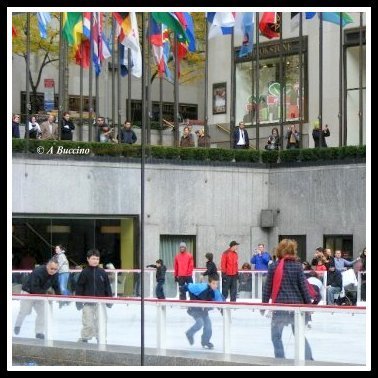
<point x="211" y="268"/>
<point x="93" y="282"/>
<point x="334" y="284"/>
<point x="240" y="137"/>
<point x="66" y="127"/>
<point x="319" y="135"/>
<point x="160" y="277"/>
<point x="39" y="281"/>
<point x="127" y="135"/>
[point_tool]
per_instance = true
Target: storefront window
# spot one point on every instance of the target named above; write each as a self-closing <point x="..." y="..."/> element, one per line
<point x="268" y="99"/>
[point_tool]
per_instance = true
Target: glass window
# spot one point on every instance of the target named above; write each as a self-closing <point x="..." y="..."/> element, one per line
<point x="344" y="243"/>
<point x="269" y="101"/>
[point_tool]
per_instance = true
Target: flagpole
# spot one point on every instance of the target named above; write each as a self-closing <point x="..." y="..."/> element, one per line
<point x="360" y="111"/>
<point x="148" y="79"/>
<point x="281" y="83"/>
<point x="119" y="89"/>
<point x="232" y="97"/>
<point x="143" y="159"/>
<point x="99" y="38"/>
<point x="176" y="96"/>
<point x="27" y="99"/>
<point x="206" y="125"/>
<point x="129" y="84"/>
<point x="81" y="92"/>
<point x="90" y="126"/>
<point x="60" y="98"/>
<point x="320" y="77"/>
<point x="341" y="81"/>
<point x="161" y="110"/>
<point x="300" y="79"/>
<point x="114" y="41"/>
<point x="257" y="105"/>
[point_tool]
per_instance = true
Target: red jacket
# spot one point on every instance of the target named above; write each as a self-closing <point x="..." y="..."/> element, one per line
<point x="183" y="264"/>
<point x="229" y="263"/>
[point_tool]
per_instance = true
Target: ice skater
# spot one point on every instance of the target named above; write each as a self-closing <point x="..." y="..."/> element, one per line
<point x="160" y="277"/>
<point x="202" y="292"/>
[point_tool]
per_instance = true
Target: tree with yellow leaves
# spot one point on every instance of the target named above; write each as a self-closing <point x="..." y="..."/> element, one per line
<point x="47" y="49"/>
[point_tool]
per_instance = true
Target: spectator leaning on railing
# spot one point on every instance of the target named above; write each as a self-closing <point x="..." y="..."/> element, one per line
<point x="342" y="264"/>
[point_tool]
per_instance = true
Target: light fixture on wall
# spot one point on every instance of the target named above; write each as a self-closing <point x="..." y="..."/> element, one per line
<point x="58" y="229"/>
<point x="110" y="229"/>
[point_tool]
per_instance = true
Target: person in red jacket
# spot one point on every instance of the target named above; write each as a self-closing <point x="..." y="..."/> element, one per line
<point x="183" y="266"/>
<point x="229" y="268"/>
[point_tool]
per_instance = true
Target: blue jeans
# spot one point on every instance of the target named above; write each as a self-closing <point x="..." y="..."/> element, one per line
<point x="159" y="290"/>
<point x="63" y="281"/>
<point x="202" y="321"/>
<point x="276" y="334"/>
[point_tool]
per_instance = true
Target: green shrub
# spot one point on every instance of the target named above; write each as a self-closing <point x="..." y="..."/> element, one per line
<point x="308" y="154"/>
<point x="269" y="157"/>
<point x="219" y="154"/>
<point x="290" y="155"/>
<point x="172" y="153"/>
<point x="329" y="153"/>
<point x="187" y="153"/>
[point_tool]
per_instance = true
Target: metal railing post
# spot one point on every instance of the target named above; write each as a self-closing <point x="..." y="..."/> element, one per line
<point x="151" y="295"/>
<point x="101" y="322"/>
<point x="226" y="330"/>
<point x="259" y="285"/>
<point x="299" y="328"/>
<point x="48" y="316"/>
<point x="116" y="284"/>
<point x="161" y="322"/>
<point x="358" y="287"/>
<point x="324" y="288"/>
<point x="253" y="285"/>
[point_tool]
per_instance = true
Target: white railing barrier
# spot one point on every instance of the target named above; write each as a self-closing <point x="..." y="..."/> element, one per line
<point x="117" y="273"/>
<point x="226" y="307"/>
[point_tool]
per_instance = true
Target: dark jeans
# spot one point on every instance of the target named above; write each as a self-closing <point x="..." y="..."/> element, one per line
<point x="159" y="290"/>
<point x="278" y="323"/>
<point x="229" y="283"/>
<point x="202" y="320"/>
<point x="240" y="147"/>
<point x="182" y="280"/>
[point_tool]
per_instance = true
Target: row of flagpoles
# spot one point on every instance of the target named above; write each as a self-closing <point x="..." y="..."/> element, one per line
<point x="85" y="34"/>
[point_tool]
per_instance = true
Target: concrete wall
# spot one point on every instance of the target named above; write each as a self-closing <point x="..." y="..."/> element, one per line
<point x="218" y="204"/>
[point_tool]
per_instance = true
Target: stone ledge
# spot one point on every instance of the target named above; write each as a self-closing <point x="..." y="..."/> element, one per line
<point x="63" y="353"/>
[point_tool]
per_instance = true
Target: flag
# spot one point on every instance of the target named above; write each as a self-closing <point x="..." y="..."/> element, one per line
<point x="82" y="44"/>
<point x="172" y="22"/>
<point x="244" y="25"/>
<point x="82" y="53"/>
<point x="87" y="24"/>
<point x="222" y="23"/>
<point x="131" y="41"/>
<point x="71" y="27"/>
<point x="44" y="19"/>
<point x="295" y="18"/>
<point x="334" y="17"/>
<point x="270" y="24"/>
<point x="14" y="32"/>
<point x="128" y="36"/>
<point x="190" y="31"/>
<point x="159" y="37"/>
<point x="100" y="49"/>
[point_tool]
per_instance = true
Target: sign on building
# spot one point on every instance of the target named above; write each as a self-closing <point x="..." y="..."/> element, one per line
<point x="49" y="94"/>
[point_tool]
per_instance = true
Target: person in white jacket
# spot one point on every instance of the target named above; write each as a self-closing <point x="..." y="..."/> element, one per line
<point x="62" y="270"/>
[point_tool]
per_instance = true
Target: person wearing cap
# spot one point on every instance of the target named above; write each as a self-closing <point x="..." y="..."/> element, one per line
<point x="229" y="268"/>
<point x="183" y="266"/>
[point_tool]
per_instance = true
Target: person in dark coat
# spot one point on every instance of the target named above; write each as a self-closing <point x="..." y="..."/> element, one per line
<point x="160" y="277"/>
<point x="211" y="268"/>
<point x="293" y="137"/>
<point x="286" y="283"/>
<point x="66" y="127"/>
<point x="39" y="281"/>
<point x="16" y="126"/>
<point x="93" y="282"/>
<point x="128" y="135"/>
<point x="240" y="137"/>
<point x="319" y="135"/>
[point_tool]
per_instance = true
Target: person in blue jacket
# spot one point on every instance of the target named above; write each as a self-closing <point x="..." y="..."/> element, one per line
<point x="261" y="258"/>
<point x="202" y="292"/>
